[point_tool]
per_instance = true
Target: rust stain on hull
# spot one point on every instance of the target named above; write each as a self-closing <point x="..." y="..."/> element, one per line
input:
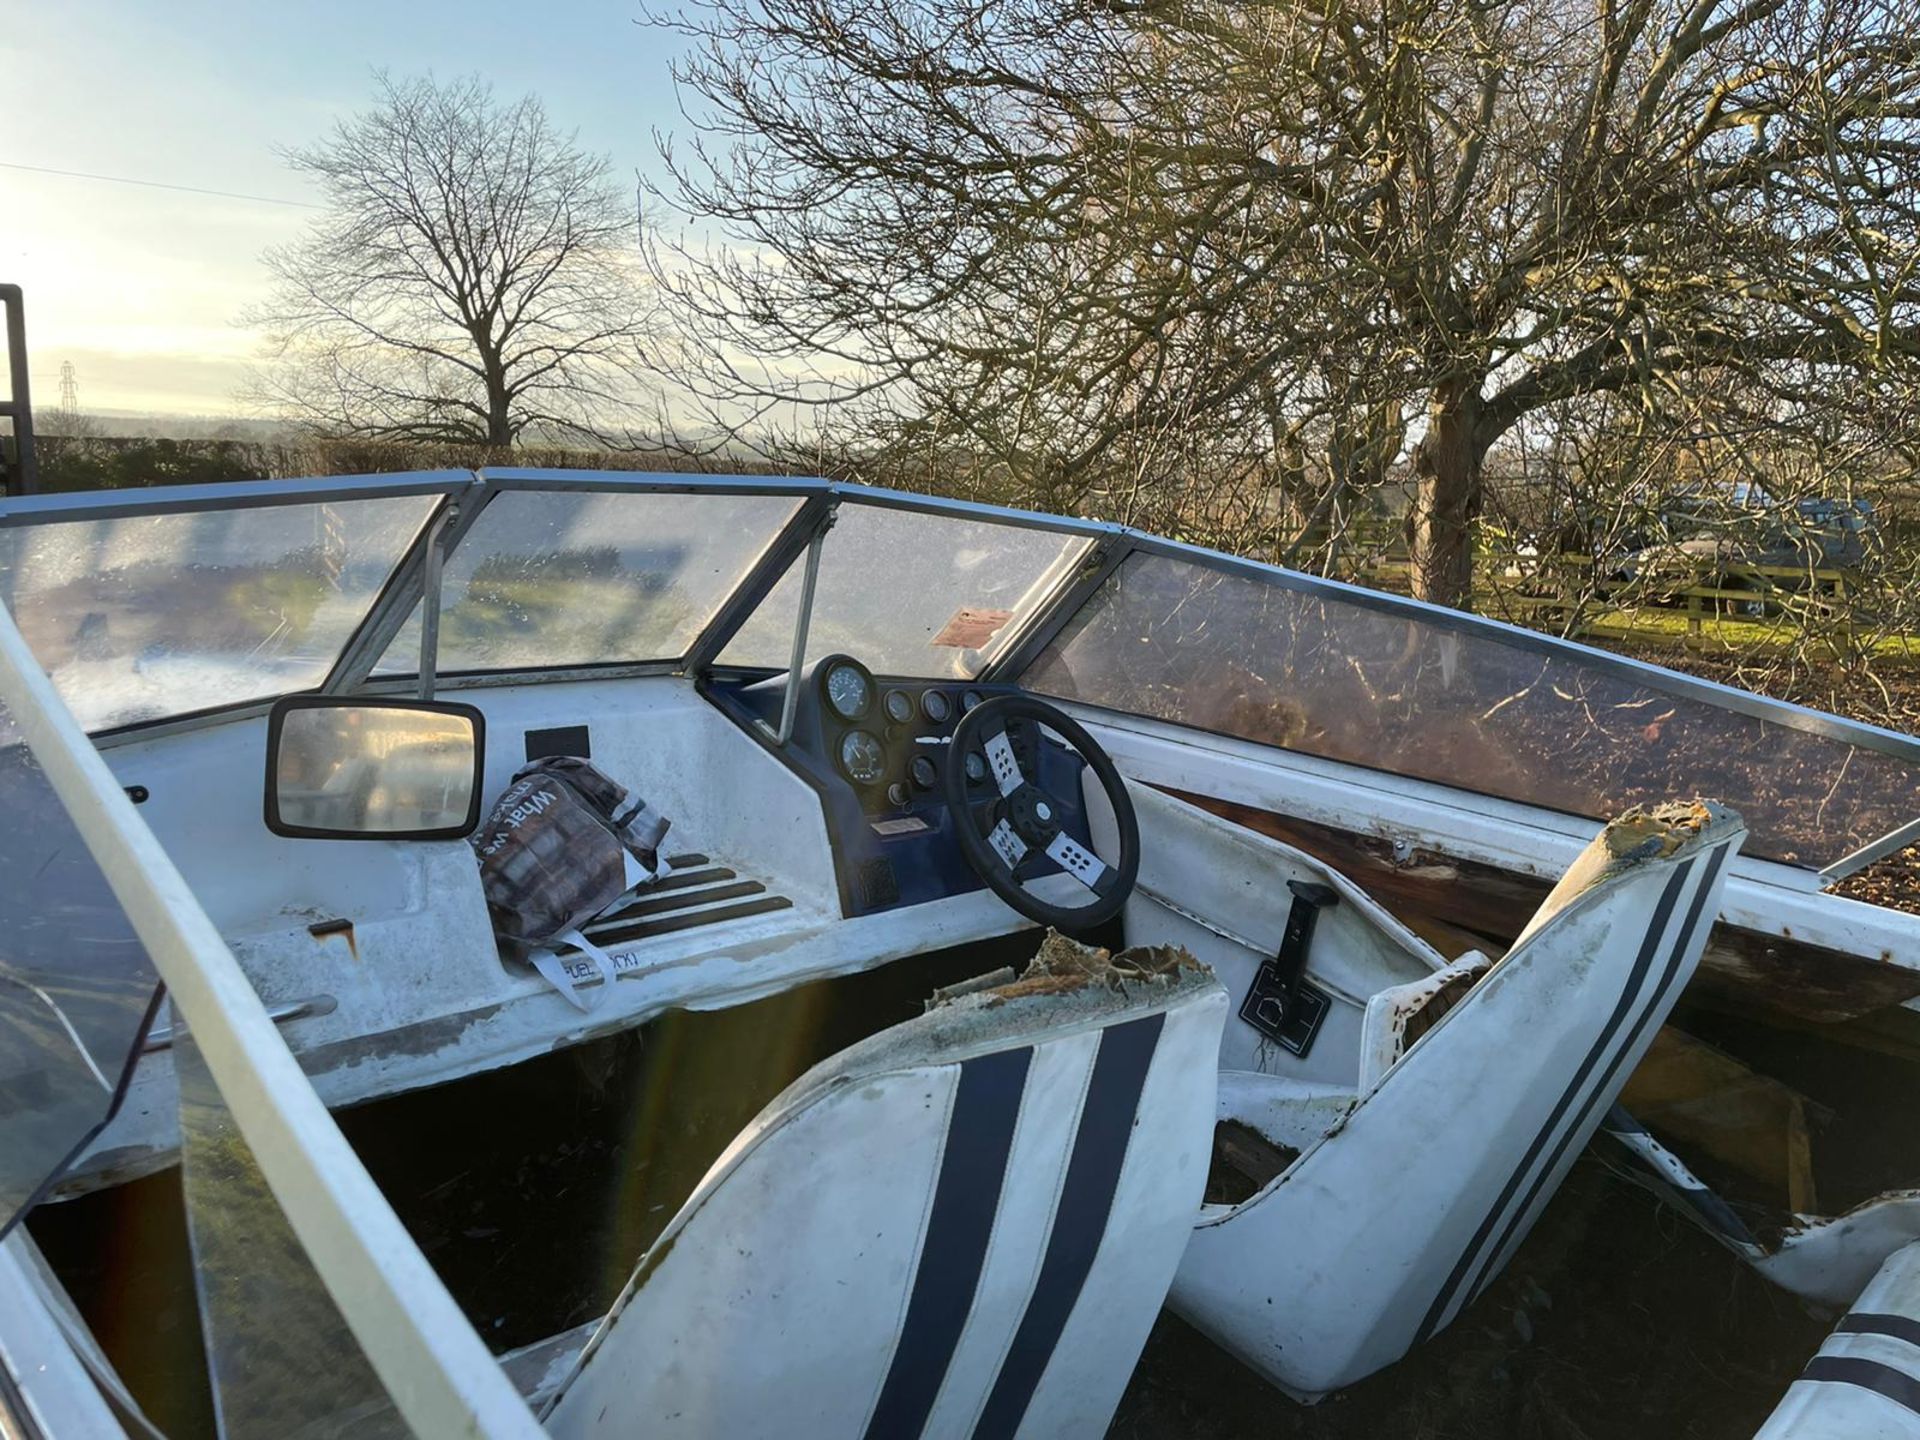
<point x="326" y="930"/>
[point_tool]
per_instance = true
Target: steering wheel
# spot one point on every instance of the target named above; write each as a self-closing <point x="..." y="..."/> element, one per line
<point x="998" y="834"/>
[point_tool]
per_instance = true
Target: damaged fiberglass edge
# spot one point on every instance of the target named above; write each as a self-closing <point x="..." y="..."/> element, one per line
<point x="164" y="604"/>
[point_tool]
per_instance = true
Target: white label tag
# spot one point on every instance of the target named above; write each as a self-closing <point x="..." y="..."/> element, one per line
<point x="637" y="874"/>
<point x="548" y="964"/>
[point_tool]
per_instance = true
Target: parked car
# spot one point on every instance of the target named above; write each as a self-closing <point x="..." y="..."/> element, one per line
<point x="1745" y="541"/>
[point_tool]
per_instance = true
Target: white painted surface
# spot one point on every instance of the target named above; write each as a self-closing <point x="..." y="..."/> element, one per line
<point x="1761" y="896"/>
<point x="1384" y="1229"/>
<point x="1199" y="871"/>
<point x="60" y="1396"/>
<point x="421" y="995"/>
<point x="1853" y="1409"/>
<point x="1829" y="1259"/>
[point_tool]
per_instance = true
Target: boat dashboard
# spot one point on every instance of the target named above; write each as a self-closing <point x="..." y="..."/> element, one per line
<point x="875" y="749"/>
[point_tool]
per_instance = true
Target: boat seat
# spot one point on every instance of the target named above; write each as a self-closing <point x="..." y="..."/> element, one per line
<point x="1378" y="1234"/>
<point x="1398" y="1016"/>
<point x="962" y="1226"/>
<point x="1865" y="1382"/>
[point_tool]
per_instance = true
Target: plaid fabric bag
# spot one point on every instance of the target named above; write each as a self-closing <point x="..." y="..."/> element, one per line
<point x="560" y="845"/>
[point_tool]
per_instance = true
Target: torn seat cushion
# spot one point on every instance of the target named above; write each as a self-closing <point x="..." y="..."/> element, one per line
<point x="1400" y="1014"/>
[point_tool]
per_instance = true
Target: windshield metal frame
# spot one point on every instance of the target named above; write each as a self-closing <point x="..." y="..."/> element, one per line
<point x="62" y="506"/>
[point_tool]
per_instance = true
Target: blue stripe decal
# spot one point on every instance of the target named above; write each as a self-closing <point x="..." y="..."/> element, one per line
<point x="1080" y="1221"/>
<point x="1442" y="1301"/>
<point x="1896" y="1385"/>
<point x="1900" y="1327"/>
<point x="966" y="1198"/>
<point x="1491" y="1264"/>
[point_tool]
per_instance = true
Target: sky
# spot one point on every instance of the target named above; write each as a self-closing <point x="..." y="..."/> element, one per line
<point x="141" y="289"/>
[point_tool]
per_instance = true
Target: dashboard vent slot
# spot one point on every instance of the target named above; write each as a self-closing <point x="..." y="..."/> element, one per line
<point x="876" y="884"/>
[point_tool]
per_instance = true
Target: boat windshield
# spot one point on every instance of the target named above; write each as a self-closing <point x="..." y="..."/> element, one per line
<point x="161" y="604"/>
<point x="146" y="616"/>
<point x="551" y="579"/>
<point x="911" y="593"/>
<point x="1327" y="674"/>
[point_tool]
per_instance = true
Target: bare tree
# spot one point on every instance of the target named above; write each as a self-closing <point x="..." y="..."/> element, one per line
<point x="1063" y="237"/>
<point x="475" y="277"/>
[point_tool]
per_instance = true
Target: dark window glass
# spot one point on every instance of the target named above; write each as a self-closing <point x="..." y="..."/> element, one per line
<point x="1332" y="677"/>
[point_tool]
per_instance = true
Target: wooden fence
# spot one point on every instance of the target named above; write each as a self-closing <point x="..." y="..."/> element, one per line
<point x="1721" y="607"/>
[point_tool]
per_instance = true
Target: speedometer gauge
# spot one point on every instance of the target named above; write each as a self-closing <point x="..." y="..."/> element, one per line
<point x="862" y="757"/>
<point x="848" y="690"/>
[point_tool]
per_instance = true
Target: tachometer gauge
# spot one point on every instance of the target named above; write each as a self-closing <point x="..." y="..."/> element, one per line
<point x="935" y="705"/>
<point x="848" y="691"/>
<point x="899" y="706"/>
<point x="862" y="758"/>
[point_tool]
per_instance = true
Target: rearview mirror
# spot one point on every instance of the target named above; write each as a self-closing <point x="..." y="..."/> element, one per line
<point x="345" y="769"/>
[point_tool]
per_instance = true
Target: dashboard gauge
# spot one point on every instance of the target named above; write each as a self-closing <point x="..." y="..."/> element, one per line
<point x="849" y="691"/>
<point x="899" y="706"/>
<point x="862" y="757"/>
<point x="925" y="774"/>
<point x="969" y="699"/>
<point x="935" y="705"/>
<point x="898" y="794"/>
<point x="976" y="764"/>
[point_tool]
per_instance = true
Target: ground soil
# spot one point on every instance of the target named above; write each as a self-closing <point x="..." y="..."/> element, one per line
<point x="1615" y="1321"/>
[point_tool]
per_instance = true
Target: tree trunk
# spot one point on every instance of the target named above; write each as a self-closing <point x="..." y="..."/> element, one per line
<point x="1446" y="468"/>
<point x="499" y="428"/>
<point x="499" y="407"/>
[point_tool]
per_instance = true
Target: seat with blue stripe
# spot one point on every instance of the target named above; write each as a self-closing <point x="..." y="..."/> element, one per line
<point x="1396" y="1217"/>
<point x="963" y="1226"/>
<point x="1865" y="1382"/>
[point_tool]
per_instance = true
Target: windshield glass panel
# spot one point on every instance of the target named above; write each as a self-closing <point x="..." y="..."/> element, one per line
<point x="145" y="617"/>
<point x="1327" y="676"/>
<point x="76" y="986"/>
<point x="550" y="578"/>
<point x="909" y="593"/>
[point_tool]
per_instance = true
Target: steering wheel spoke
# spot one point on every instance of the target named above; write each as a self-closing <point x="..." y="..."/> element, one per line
<point x="1081" y="863"/>
<point x="1007" y="845"/>
<point x="1002" y="762"/>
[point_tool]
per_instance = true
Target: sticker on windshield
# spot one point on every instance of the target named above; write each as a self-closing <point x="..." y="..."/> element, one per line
<point x="970" y="629"/>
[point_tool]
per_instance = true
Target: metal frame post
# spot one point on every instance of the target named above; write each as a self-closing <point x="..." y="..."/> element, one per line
<point x="790" y="705"/>
<point x="431" y="563"/>
<point x="23" y="476"/>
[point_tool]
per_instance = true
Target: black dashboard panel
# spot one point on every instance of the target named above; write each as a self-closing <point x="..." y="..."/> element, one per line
<point x="893" y="838"/>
